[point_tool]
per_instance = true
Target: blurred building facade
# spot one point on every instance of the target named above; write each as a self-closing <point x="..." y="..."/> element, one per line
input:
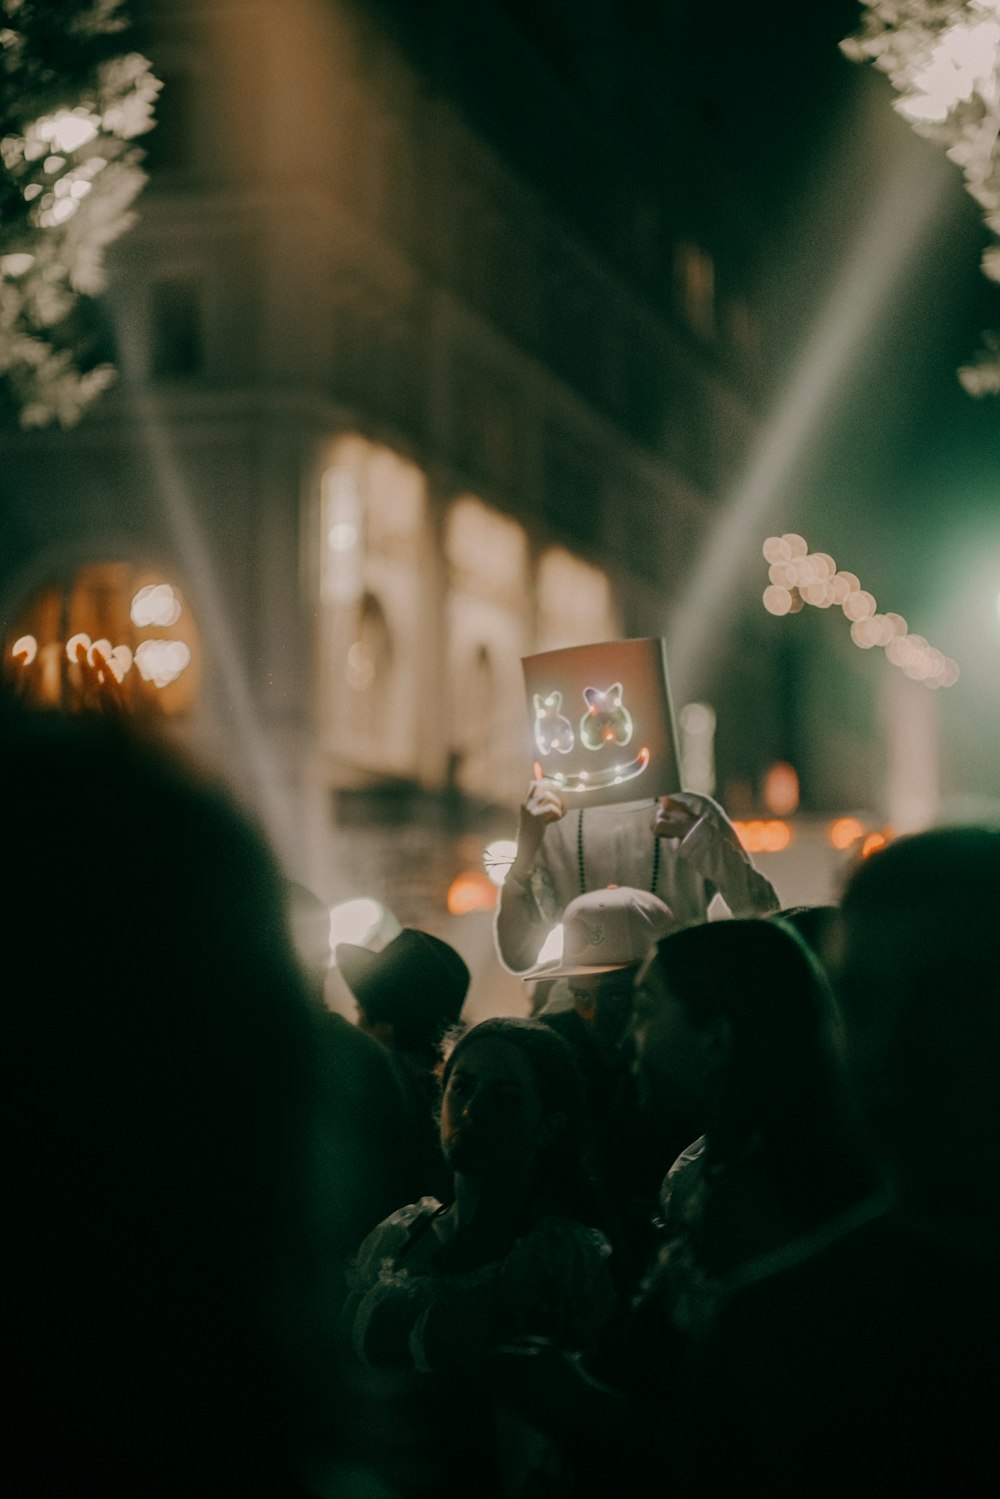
<point x="437" y="347"/>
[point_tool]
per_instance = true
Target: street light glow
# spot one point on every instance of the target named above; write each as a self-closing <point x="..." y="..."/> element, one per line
<point x="356" y="921"/>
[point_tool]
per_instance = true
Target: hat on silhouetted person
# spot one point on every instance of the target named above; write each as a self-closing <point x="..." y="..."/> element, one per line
<point x="417" y="983"/>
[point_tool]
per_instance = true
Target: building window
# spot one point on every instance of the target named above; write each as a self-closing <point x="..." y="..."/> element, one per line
<point x="574" y="602"/>
<point x="487" y="553"/>
<point x="368" y="670"/>
<point x="176" y="338"/>
<point x="373" y="645"/>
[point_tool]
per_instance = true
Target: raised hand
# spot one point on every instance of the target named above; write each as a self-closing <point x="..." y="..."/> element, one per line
<point x="672" y="819"/>
<point x="542" y="805"/>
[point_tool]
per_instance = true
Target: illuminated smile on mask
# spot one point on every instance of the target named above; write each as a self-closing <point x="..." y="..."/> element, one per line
<point x="594" y="780"/>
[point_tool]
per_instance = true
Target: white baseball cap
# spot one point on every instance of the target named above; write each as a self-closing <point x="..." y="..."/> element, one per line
<point x="605" y="930"/>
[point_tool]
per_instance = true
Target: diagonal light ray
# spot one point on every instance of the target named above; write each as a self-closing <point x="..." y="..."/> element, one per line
<point x="697" y="625"/>
<point x="246" y="744"/>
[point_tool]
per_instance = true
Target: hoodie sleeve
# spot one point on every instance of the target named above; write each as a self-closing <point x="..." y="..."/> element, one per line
<point x="714" y="850"/>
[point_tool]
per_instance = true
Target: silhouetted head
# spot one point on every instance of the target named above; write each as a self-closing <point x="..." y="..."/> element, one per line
<point x="160" y="1055"/>
<point x="606" y="935"/>
<point x="733" y="1033"/>
<point x="813" y="924"/>
<point x="416" y="985"/>
<point x="514" y="1103"/>
<point x="918" y="978"/>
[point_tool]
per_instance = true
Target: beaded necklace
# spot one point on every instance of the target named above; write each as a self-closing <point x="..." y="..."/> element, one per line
<point x="581" y="860"/>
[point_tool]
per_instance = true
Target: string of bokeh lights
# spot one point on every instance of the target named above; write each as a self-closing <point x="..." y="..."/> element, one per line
<point x="158" y="661"/>
<point x="799" y="577"/>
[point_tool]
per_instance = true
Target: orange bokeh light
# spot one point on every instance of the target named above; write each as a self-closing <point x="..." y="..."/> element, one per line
<point x="872" y="844"/>
<point x="472" y="890"/>
<point x="845" y="831"/>
<point x="781" y="789"/>
<point x="764" y="837"/>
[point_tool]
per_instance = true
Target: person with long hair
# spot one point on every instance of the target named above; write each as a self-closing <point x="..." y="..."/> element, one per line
<point x="735" y="1030"/>
<point x="871" y="1353"/>
<point x="735" y="1035"/>
<point x="439" y="1287"/>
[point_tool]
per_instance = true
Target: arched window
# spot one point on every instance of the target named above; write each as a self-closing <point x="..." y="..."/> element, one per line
<point x="372" y="647"/>
<point x="487" y="553"/>
<point x="574" y="602"/>
<point x="368" y="672"/>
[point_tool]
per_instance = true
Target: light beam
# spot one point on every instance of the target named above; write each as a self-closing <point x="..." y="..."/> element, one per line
<point x="861" y="294"/>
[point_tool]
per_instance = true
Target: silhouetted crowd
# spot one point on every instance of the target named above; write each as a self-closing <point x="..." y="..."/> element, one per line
<point x="722" y="1217"/>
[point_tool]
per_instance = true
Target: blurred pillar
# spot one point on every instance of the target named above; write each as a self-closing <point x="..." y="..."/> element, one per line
<point x="912" y="765"/>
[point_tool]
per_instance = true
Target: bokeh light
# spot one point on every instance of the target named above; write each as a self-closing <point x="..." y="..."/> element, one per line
<point x="859" y="605"/>
<point x="760" y="836"/>
<point x="121" y="661"/>
<point x="162" y="661"/>
<point x="805" y="577"/>
<point x="157" y="605"/>
<point x="77" y="647"/>
<point x="784" y="574"/>
<point x="99" y="654"/>
<point x="781" y="789"/>
<point x="776" y="549"/>
<point x="472" y="890"/>
<point x="777" y="600"/>
<point x="844" y="831"/>
<point x="358" y="921"/>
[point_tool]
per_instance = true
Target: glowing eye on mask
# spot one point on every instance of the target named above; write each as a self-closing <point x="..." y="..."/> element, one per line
<point x="553" y="731"/>
<point x="606" y="720"/>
